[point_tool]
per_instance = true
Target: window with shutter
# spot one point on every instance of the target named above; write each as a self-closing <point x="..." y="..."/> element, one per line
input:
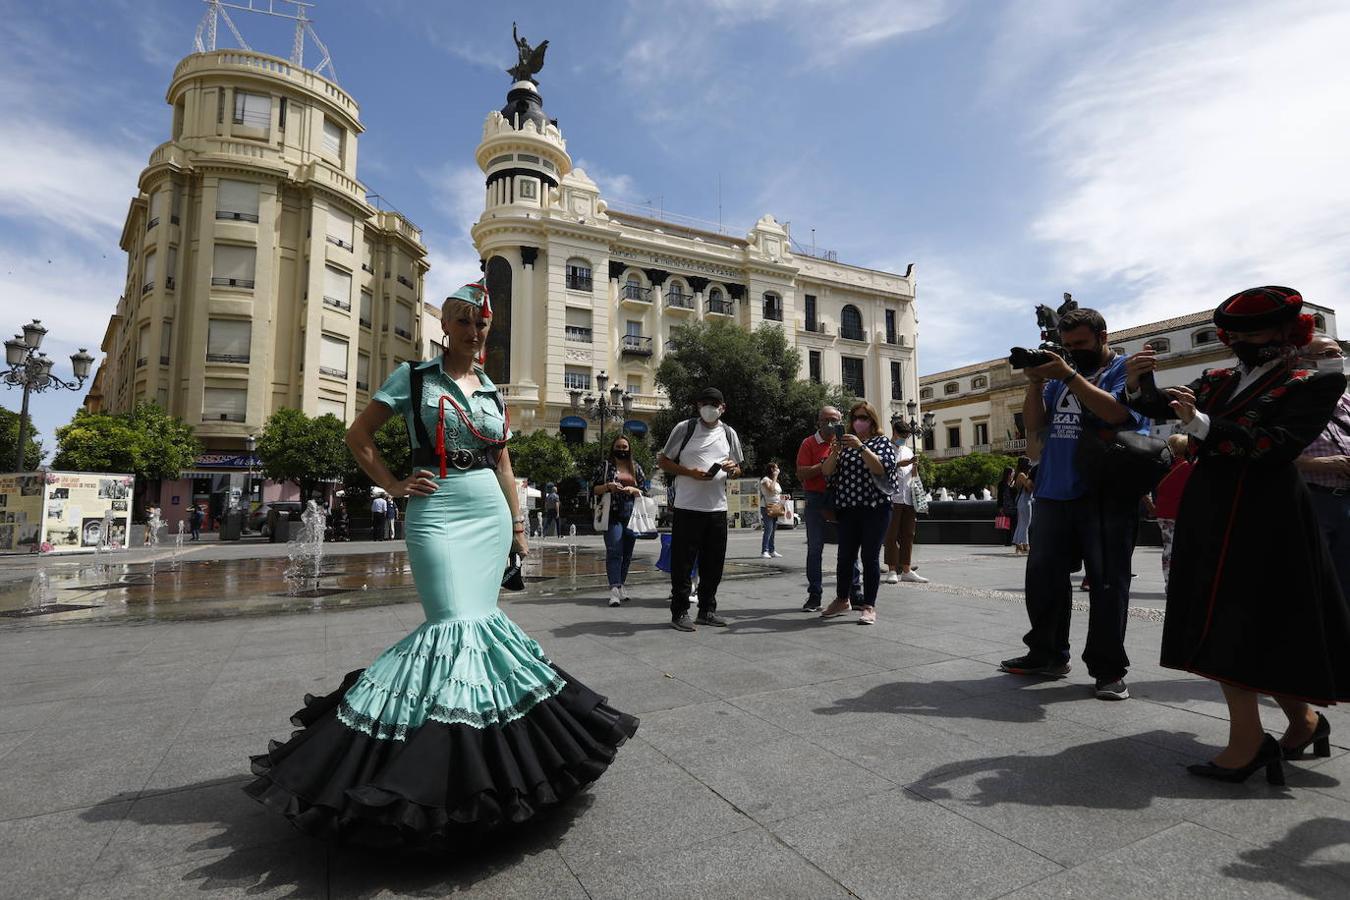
<point x="852" y="371"/>
<point x="224" y="404"/>
<point x="237" y="201"/>
<point x="165" y="342"/>
<point x="148" y="276"/>
<point x="337" y="288"/>
<point x="143" y="346"/>
<point x="363" y="372"/>
<point x="252" y="110"/>
<point x="366" y="302"/>
<point x="171" y="267"/>
<point x="335" y="408"/>
<point x="576" y="378"/>
<point x="332" y="139"/>
<point x="340" y="228"/>
<point x="332" y="356"/>
<point x="577" y="325"/>
<point x="403" y="321"/>
<point x="233" y="266"/>
<point x="227" y="340"/>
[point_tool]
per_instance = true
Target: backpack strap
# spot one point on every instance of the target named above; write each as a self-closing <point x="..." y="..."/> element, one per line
<point x="688" y="436"/>
<point x="419" y="429"/>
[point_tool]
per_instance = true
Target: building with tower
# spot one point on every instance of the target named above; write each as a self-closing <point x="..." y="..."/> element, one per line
<point x="261" y="273"/>
<point x="582" y="287"/>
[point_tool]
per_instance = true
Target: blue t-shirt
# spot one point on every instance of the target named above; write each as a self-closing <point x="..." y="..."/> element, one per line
<point x="1059" y="478"/>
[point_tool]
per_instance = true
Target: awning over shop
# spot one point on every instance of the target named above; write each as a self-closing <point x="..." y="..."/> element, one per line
<point x="572" y="422"/>
<point x="635" y="426"/>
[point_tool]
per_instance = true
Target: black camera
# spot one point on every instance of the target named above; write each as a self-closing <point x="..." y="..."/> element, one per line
<point x="1048" y="321"/>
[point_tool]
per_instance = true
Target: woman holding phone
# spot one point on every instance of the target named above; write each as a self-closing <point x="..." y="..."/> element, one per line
<point x="621" y="479"/>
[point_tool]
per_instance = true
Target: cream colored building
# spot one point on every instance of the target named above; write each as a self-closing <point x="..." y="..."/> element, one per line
<point x="979" y="407"/>
<point x="259" y="274"/>
<point x="580" y="287"/>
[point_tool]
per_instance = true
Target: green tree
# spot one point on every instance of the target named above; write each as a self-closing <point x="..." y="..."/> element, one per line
<point x="770" y="408"/>
<point x="293" y="447"/>
<point x="927" y="470"/>
<point x="9" y="442"/>
<point x="147" y="442"/>
<point x="967" y="474"/>
<point x="391" y="442"/>
<point x="541" y="457"/>
<point x="165" y="444"/>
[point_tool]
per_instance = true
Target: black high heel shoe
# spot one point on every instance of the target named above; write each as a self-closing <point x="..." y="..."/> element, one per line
<point x="1268" y="756"/>
<point x="1320" y="741"/>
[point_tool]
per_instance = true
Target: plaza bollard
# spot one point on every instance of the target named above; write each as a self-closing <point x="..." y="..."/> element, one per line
<point x="232" y="525"/>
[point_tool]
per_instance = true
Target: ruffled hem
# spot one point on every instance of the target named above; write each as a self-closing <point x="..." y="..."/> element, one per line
<point x="443" y="781"/>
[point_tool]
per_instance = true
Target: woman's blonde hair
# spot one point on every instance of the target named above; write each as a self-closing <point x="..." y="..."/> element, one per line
<point x="868" y="410"/>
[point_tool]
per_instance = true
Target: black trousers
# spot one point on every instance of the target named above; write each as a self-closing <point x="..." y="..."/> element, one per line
<point x="862" y="531"/>
<point x="1101" y="533"/>
<point x="702" y="536"/>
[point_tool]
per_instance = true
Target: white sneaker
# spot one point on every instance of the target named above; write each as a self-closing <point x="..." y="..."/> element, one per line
<point x="623" y="592"/>
<point x="911" y="577"/>
<point x="766" y="555"/>
<point x="892" y="577"/>
<point x="615" y="596"/>
<point x="777" y="555"/>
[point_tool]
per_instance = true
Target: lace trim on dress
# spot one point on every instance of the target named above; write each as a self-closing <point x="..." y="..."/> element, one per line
<point x="398" y="731"/>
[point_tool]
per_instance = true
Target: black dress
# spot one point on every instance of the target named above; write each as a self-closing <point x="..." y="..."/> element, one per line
<point x="1253" y="598"/>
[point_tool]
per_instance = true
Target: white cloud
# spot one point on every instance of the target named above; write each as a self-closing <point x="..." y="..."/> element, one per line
<point x="1203" y="156"/>
<point x="613" y="185"/>
<point x="458" y="193"/>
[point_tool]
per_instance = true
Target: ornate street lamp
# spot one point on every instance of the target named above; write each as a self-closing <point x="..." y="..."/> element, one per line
<point x="250" y="445"/>
<point x="32" y="371"/>
<point x="612" y="408"/>
<point x="913" y="428"/>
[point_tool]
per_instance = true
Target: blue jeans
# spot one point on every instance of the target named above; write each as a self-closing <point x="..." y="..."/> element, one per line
<point x="1333" y="514"/>
<point x="862" y="531"/>
<point x="770" y="526"/>
<point x="814" y="520"/>
<point x="619" y="540"/>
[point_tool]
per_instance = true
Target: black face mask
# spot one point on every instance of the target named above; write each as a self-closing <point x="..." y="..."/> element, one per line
<point x="622" y="454"/>
<point x="1087" y="360"/>
<point x="1253" y="355"/>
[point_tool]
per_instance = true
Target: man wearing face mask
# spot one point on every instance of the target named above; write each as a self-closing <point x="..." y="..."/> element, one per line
<point x="701" y="454"/>
<point x="1077" y="516"/>
<point x="1325" y="463"/>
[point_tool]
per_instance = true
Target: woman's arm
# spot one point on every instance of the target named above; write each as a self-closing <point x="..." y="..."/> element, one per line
<point x="1301" y="418"/>
<point x="361" y="440"/>
<point x="506" y="479"/>
<point x="879" y="462"/>
<point x="830" y="462"/>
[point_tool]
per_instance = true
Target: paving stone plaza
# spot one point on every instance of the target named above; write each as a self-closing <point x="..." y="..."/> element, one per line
<point x="780" y="757"/>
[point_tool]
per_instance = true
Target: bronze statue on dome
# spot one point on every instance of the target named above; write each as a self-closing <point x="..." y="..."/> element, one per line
<point x="531" y="58"/>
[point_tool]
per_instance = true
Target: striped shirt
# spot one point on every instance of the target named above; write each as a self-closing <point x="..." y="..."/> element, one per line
<point x="1333" y="441"/>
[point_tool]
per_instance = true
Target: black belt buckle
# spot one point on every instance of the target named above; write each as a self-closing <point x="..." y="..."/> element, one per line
<point x="461" y="459"/>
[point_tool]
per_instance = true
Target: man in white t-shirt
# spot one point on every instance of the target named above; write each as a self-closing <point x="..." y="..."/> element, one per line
<point x="377" y="514"/>
<point x="700" y="455"/>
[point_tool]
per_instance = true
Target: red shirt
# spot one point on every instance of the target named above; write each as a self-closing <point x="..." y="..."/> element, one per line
<point x="812" y="452"/>
<point x="1170" y="489"/>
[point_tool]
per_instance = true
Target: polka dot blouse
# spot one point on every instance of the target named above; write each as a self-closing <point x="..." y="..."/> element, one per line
<point x="854" y="484"/>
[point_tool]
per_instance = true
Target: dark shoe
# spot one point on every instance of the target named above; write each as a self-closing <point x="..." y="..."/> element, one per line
<point x="1112" y="689"/>
<point x="711" y="619"/>
<point x="1320" y="741"/>
<point x="812" y="605"/>
<point x="1029" y="665"/>
<point x="683" y="623"/>
<point x="1268" y="757"/>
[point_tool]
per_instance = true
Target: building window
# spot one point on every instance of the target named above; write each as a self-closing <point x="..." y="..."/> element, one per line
<point x="979" y="381"/>
<point x="252" y="110"/>
<point x="633" y="290"/>
<point x="773" y="307"/>
<point x="578" y="275"/>
<point x="148" y="281"/>
<point x="981" y="434"/>
<point x="367" y="257"/>
<point x="529" y="189"/>
<point x="281" y="114"/>
<point x="341" y="228"/>
<point x="228" y="340"/>
<point x="897" y="381"/>
<point x="1160" y="345"/>
<point x="171" y="266"/>
<point x="224" y="404"/>
<point x="366" y="302"/>
<point x="1319" y="322"/>
<point x="951" y="387"/>
<point x="852" y="371"/>
<point x="953" y="436"/>
<point x="335" y="408"/>
<point x="851" y="323"/>
<point x="337" y="288"/>
<point x="576" y="379"/>
<point x="143" y="346"/>
<point x="332" y="357"/>
<point x="814" y="365"/>
<point x="929" y="442"/>
<point x="718" y="304"/>
<point x="403" y="321"/>
<point x="233" y="266"/>
<point x="1206" y="336"/>
<point x="892" y="337"/>
<point x="634" y="385"/>
<point x="363" y="369"/>
<point x="926" y="393"/>
<point x="333" y="134"/>
<point x="812" y="324"/>
<point x="577" y="326"/>
<point x="237" y="201"/>
<point x="165" y="342"/>
<point x="1019" y="426"/>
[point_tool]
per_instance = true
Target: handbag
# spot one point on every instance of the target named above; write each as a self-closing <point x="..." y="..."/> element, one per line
<point x="1120" y="463"/>
<point x="512" y="579"/>
<point x="919" y="493"/>
<point x="601" y="514"/>
<point x="643" y="520"/>
<point x="774" y="510"/>
<point x="1002" y="522"/>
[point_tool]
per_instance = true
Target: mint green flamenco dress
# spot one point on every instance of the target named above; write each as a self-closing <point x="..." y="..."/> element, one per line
<point x="464" y="725"/>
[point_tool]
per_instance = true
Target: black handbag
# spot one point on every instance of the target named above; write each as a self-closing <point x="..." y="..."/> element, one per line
<point x="1119" y="463"/>
<point x="512" y="579"/>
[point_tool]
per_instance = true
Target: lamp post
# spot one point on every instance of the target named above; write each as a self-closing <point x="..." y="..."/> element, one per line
<point x="250" y="445"/>
<point x="912" y="427"/>
<point x="32" y="371"/>
<point x="615" y="407"/>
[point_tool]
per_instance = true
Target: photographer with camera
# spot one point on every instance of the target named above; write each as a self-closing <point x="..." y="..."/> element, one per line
<point x="1080" y="512"/>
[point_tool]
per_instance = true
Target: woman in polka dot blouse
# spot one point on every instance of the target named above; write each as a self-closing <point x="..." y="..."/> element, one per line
<point x="861" y="473"/>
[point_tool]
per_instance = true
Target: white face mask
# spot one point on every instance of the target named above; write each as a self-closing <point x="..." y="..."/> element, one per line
<point x="709" y="414"/>
<point x="1326" y="364"/>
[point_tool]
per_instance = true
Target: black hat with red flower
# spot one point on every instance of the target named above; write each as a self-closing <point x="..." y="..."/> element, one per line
<point x="1259" y="308"/>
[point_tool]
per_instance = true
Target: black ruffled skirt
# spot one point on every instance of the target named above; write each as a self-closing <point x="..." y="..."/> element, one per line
<point x="443" y="782"/>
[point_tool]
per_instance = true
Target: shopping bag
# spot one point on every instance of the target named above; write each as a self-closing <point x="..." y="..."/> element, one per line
<point x="643" y="520"/>
<point x="600" y="520"/>
<point x="1002" y="522"/>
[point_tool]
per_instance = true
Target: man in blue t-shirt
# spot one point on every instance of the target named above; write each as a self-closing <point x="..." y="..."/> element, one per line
<point x="1075" y="519"/>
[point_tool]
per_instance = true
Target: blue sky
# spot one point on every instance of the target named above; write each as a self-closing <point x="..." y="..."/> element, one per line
<point x="1151" y="157"/>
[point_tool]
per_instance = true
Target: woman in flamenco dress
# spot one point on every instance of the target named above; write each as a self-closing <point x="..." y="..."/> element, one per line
<point x="1252" y="600"/>
<point x="465" y="725"/>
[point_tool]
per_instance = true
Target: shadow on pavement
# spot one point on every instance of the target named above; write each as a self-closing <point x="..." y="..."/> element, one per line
<point x="1313" y="838"/>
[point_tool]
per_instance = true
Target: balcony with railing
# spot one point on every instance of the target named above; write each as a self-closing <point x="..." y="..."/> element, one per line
<point x="405" y="281"/>
<point x="636" y="296"/>
<point x="580" y="283"/>
<point x="853" y="334"/>
<point x="236" y="358"/>
<point x="677" y="299"/>
<point x="231" y="216"/>
<point x="344" y="305"/>
<point x="1010" y="445"/>
<point x="635" y="345"/>
<point x="366" y="267"/>
<point x="147" y="287"/>
<point x="403" y="333"/>
<point x="892" y="337"/>
<point x="333" y="373"/>
<point x="152" y="222"/>
<point x="221" y="281"/>
<point x="169" y="283"/>
<point x="364" y="321"/>
<point x="773" y="312"/>
<point x="163" y="360"/>
<point x="141" y="361"/>
<point x="816" y="327"/>
<point x="363" y="385"/>
<point x="345" y="245"/>
<point x="719" y="307"/>
<point x="578" y="334"/>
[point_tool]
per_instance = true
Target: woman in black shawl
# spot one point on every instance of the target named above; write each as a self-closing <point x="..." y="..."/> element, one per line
<point x="1253" y="601"/>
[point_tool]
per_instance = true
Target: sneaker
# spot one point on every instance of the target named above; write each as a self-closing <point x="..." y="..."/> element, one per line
<point x="812" y="604"/>
<point x="892" y="577"/>
<point x="912" y="578"/>
<point x="777" y="555"/>
<point x="1113" y="689"/>
<point x="712" y="619"/>
<point x="683" y="623"/>
<point x="1028" y="665"/>
<point x="836" y="609"/>
<point x="868" y="616"/>
<point x="623" y="592"/>
<point x="766" y="555"/>
<point x="615" y="596"/>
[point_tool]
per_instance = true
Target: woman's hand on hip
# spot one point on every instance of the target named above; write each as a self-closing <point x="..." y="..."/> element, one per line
<point x="420" y="483"/>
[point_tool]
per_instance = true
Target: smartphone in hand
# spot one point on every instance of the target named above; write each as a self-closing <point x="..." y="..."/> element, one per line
<point x="714" y="469"/>
<point x="838" y="431"/>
